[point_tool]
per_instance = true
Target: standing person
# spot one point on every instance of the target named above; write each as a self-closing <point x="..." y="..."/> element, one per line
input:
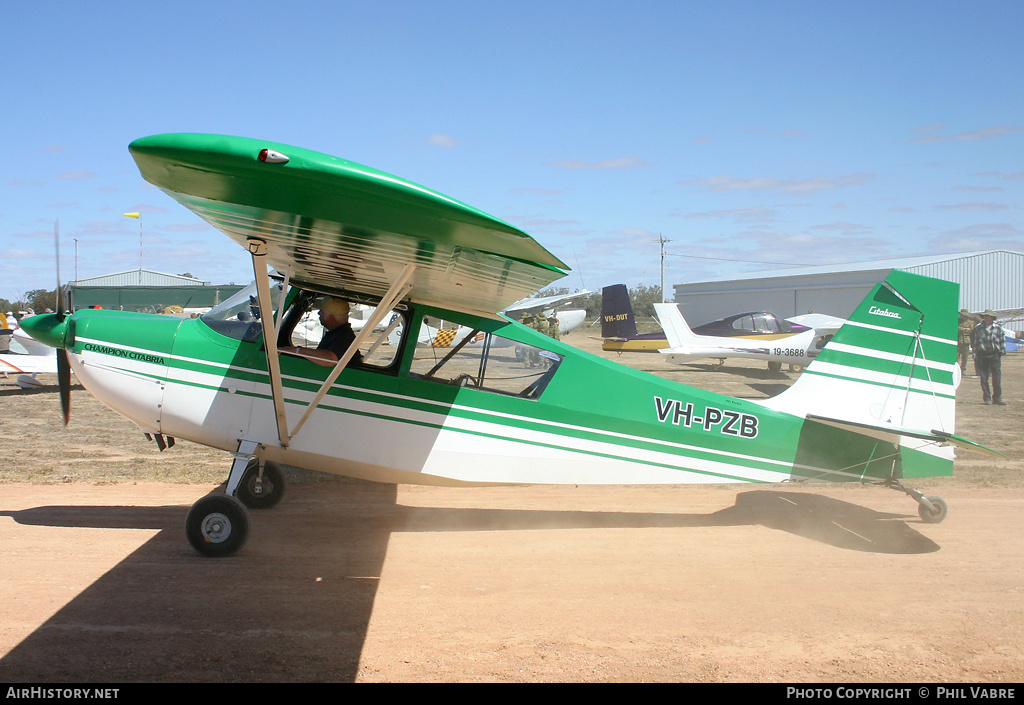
<point x="963" y="340"/>
<point x="540" y="324"/>
<point x="5" y="335"/>
<point x="553" y="330"/>
<point x="989" y="343"/>
<point x="529" y="352"/>
<point x="5" y="339"/>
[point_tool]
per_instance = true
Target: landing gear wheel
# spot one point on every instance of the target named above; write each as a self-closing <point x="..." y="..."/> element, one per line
<point x="217" y="525"/>
<point x="933" y="517"/>
<point x="255" y="493"/>
<point x="775" y="366"/>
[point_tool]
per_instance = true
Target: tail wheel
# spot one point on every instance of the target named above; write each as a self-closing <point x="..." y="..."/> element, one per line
<point x="261" y="493"/>
<point x="935" y="516"/>
<point x="217" y="525"/>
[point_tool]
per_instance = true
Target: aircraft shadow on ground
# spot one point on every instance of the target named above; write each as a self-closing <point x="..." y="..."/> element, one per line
<point x="295" y="604"/>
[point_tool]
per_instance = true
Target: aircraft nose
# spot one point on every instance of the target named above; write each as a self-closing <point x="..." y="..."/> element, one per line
<point x="47" y="328"/>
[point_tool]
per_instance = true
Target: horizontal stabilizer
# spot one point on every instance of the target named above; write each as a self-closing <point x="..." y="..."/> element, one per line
<point x="888" y="432"/>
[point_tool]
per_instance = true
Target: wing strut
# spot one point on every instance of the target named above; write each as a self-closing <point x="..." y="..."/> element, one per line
<point x="397" y="291"/>
<point x="258" y="250"/>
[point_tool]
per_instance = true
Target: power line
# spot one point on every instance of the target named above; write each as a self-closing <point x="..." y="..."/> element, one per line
<point x="745" y="261"/>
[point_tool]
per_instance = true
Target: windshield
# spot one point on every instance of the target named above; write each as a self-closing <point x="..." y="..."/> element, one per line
<point x="239" y="316"/>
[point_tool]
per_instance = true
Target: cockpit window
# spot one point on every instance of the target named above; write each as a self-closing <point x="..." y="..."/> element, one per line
<point x="378" y="350"/>
<point x="744" y="323"/>
<point x="465" y="357"/>
<point x="239" y="316"/>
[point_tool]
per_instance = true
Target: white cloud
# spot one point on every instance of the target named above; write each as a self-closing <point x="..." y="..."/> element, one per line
<point x="984" y="133"/>
<point x="972" y="207"/>
<point x="766" y="183"/>
<point x="76" y="175"/>
<point x="984" y="236"/>
<point x="631" y="162"/>
<point x="441" y="140"/>
<point x="754" y="214"/>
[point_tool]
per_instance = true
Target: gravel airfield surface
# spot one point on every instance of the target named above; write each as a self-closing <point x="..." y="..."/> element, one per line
<point x="350" y="581"/>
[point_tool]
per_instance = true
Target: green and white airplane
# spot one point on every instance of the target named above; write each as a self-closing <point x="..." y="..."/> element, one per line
<point x="877" y="405"/>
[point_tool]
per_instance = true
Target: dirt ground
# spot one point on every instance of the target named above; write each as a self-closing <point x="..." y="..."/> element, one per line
<point x="350" y="581"/>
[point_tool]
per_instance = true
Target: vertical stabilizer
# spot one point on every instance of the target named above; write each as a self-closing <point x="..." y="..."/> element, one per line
<point x="677" y="330"/>
<point x="892" y="365"/>
<point x="617" y="321"/>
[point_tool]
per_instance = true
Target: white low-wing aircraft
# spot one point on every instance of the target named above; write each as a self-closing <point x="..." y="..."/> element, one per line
<point x="766" y="337"/>
<point x="877" y="404"/>
<point x="28" y="358"/>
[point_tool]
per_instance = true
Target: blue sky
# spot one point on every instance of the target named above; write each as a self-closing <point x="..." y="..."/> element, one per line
<point x="748" y="134"/>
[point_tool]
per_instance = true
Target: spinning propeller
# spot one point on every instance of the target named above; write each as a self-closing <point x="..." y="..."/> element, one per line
<point x="63" y="366"/>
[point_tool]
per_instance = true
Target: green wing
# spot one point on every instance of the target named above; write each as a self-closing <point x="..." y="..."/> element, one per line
<point x="338" y="225"/>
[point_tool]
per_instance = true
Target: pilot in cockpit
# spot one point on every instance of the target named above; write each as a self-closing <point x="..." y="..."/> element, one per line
<point x="338" y="335"/>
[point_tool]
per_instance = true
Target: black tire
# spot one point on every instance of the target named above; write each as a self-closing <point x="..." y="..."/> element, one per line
<point x="217" y="525"/>
<point x="933" y="517"/>
<point x="775" y="366"/>
<point x="257" y="495"/>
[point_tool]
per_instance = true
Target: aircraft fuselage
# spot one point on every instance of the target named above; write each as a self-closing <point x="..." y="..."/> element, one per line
<point x="595" y="422"/>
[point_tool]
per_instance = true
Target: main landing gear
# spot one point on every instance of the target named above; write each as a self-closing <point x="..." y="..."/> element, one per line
<point x="218" y="524"/>
<point x="932" y="510"/>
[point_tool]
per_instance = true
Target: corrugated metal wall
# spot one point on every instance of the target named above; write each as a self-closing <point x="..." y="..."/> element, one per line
<point x="990" y="280"/>
<point x="150" y="298"/>
<point x="144" y="277"/>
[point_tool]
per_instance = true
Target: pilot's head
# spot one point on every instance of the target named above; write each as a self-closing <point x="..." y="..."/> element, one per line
<point x="333" y="312"/>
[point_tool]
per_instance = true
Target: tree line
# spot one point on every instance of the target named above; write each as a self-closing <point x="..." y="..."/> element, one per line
<point x="37" y="300"/>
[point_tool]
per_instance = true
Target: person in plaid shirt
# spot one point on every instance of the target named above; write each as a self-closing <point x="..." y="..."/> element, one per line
<point x="989" y="344"/>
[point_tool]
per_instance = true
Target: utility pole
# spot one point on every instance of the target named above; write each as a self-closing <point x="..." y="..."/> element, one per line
<point x="662" y="240"/>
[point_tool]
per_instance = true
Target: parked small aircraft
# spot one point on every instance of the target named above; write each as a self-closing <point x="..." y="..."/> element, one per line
<point x="877" y="405"/>
<point x="27" y="358"/>
<point x="618" y="324"/>
<point x="569" y="319"/>
<point x="757" y="335"/>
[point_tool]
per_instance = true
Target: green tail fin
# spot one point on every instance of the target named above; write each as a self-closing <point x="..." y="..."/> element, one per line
<point x="892" y="365"/>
